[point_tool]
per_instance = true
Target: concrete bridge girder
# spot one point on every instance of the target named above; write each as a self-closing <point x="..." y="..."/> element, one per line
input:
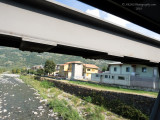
<point x="44" y="32"/>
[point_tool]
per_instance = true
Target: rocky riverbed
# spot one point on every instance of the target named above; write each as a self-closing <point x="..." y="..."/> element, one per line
<point x="19" y="101"/>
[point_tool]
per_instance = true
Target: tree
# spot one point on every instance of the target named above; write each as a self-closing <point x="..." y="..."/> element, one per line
<point x="24" y="71"/>
<point x="49" y="67"/>
<point x="13" y="71"/>
<point x="18" y="71"/>
<point x="104" y="68"/>
<point x="30" y="71"/>
<point x="2" y="70"/>
<point x="40" y="72"/>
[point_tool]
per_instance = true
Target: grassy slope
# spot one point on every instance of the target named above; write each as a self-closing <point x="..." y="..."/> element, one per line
<point x="69" y="106"/>
<point x="115" y="89"/>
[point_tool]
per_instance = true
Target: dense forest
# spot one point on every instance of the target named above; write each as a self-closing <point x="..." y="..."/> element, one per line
<point x="14" y="58"/>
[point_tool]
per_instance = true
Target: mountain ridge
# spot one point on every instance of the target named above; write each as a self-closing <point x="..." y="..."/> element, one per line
<point x="15" y="58"/>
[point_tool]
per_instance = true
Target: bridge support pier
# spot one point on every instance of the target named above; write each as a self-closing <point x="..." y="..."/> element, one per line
<point x="155" y="114"/>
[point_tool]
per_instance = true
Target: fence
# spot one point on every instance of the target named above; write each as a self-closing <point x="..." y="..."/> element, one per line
<point x="144" y="82"/>
<point x="127" y="80"/>
<point x="111" y="78"/>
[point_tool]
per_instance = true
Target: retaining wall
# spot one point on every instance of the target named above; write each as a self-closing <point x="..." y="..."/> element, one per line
<point x="142" y="103"/>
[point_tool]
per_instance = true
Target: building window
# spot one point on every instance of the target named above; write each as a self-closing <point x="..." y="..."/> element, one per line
<point x="106" y="76"/>
<point x="144" y="69"/>
<point x="112" y="77"/>
<point x="121" y="78"/>
<point x="97" y="75"/>
<point x="115" y="69"/>
<point x="88" y="69"/>
<point x="127" y="69"/>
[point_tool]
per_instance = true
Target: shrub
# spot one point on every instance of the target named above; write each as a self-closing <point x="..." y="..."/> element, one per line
<point x="46" y="84"/>
<point x="64" y="110"/>
<point x="124" y="110"/>
<point x="96" y="114"/>
<point x="88" y="99"/>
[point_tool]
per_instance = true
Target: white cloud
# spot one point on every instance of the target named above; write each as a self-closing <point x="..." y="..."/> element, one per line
<point x="116" y="20"/>
<point x="94" y="12"/>
<point x="122" y="22"/>
<point x="143" y="31"/>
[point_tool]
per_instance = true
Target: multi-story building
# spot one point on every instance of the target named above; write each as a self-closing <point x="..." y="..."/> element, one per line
<point x="77" y="70"/>
<point x="57" y="68"/>
<point x="89" y="69"/>
<point x="134" y="75"/>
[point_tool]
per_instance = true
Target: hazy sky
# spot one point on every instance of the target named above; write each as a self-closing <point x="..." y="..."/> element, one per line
<point x="108" y="17"/>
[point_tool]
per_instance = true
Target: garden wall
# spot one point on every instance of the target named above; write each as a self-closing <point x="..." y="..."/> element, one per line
<point x="142" y="103"/>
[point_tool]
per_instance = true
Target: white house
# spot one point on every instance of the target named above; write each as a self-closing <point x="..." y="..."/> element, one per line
<point x="77" y="70"/>
<point x="36" y="67"/>
<point x="134" y="75"/>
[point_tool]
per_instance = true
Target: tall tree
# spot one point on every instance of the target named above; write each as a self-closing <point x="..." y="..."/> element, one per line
<point x="49" y="67"/>
<point x="40" y="72"/>
<point x="105" y="68"/>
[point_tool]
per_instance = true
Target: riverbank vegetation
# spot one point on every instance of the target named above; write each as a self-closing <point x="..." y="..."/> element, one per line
<point x="68" y="106"/>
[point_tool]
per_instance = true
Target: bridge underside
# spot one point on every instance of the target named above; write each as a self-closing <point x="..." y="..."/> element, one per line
<point x="17" y="42"/>
<point x="44" y="26"/>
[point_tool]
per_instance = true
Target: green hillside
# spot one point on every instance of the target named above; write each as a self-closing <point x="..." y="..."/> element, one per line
<point x="14" y="58"/>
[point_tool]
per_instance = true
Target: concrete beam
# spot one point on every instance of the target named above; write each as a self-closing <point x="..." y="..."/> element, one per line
<point x="52" y="28"/>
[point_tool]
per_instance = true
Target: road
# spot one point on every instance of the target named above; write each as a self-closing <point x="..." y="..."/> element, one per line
<point x="19" y="101"/>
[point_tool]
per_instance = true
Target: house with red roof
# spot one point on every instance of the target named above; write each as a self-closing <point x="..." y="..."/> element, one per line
<point x="77" y="70"/>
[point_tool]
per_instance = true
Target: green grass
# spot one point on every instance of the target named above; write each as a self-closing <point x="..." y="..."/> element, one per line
<point x="64" y="110"/>
<point x="115" y="106"/>
<point x="95" y="114"/>
<point x="116" y="89"/>
<point x="67" y="108"/>
<point x="62" y="107"/>
<point x="46" y="84"/>
<point x="88" y="99"/>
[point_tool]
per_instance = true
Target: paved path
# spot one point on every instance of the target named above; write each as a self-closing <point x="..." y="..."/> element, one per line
<point x="21" y="102"/>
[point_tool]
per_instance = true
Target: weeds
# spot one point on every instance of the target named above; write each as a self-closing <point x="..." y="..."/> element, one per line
<point x="64" y="110"/>
<point x="88" y="99"/>
<point x="46" y="84"/>
<point x="66" y="105"/>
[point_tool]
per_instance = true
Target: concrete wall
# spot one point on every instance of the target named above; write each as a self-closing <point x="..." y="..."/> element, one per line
<point x="144" y="82"/>
<point x="77" y="71"/>
<point x="111" y="78"/>
<point x="148" y="73"/>
<point x="139" y="82"/>
<point x="124" y="69"/>
<point x="95" y="77"/>
<point x="69" y="75"/>
<point x="118" y="67"/>
<point x="87" y="76"/>
<point x="121" y="69"/>
<point x="61" y="71"/>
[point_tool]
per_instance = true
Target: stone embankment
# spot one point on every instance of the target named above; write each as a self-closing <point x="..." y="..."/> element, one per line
<point x="142" y="103"/>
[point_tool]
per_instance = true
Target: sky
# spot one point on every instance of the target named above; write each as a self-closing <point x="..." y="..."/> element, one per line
<point x="108" y="17"/>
